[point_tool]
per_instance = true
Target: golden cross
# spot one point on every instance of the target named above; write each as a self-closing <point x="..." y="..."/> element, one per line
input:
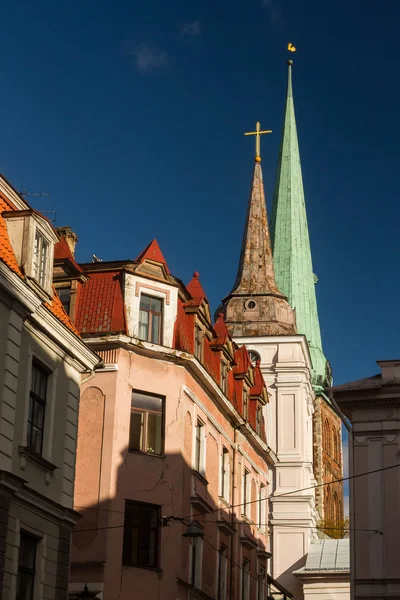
<point x="258" y="133"/>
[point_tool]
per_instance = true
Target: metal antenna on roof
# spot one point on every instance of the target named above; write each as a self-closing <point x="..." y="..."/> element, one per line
<point x="96" y="259"/>
<point x="25" y="193"/>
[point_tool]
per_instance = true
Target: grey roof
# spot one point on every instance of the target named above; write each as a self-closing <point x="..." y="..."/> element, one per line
<point x="367" y="382"/>
<point x="328" y="555"/>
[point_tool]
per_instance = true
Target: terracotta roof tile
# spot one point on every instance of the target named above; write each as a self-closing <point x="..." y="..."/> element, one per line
<point x="6" y="251"/>
<point x="101" y="304"/>
<point x="57" y="309"/>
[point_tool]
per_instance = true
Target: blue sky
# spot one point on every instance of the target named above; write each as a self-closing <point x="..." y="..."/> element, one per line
<point x="131" y="115"/>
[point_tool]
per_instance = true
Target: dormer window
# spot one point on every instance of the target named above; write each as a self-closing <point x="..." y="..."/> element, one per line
<point x="150" y="319"/>
<point x="40" y="259"/>
<point x="33" y="238"/>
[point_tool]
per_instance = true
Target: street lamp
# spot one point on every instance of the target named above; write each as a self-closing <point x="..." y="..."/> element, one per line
<point x="193" y="532"/>
<point x="86" y="594"/>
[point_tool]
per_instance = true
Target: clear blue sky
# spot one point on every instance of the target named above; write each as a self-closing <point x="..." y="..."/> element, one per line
<point x="131" y="114"/>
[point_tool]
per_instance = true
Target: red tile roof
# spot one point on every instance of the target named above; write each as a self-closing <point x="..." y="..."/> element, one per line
<point x="62" y="252"/>
<point x="195" y="289"/>
<point x="153" y="252"/>
<point x="8" y="257"/>
<point x="100" y="306"/>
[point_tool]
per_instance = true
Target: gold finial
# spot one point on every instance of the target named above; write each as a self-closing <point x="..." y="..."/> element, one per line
<point x="258" y="133"/>
<point x="291" y="48"/>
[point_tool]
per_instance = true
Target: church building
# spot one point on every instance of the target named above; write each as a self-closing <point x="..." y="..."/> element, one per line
<point x="272" y="309"/>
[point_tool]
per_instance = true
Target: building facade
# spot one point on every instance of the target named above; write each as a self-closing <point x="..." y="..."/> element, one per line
<point x="373" y="407"/>
<point x="170" y="429"/>
<point x="42" y="359"/>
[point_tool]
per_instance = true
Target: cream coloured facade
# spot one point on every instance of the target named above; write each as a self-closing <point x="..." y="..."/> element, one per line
<point x="372" y="406"/>
<point x="42" y="360"/>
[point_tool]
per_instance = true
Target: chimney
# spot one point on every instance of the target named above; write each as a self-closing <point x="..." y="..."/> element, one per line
<point x="69" y="236"/>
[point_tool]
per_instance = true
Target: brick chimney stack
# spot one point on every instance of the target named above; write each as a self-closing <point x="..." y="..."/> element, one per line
<point x="70" y="237"/>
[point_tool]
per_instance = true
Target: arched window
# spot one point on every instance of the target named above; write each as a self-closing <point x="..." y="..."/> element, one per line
<point x="336" y="508"/>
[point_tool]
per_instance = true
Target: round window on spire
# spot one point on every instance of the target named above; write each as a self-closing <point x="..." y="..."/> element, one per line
<point x="250" y="305"/>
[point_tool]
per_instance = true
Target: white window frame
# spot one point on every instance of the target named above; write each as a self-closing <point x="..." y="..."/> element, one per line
<point x="225" y="468"/>
<point x="262" y="505"/>
<point x="246" y="491"/>
<point x="196" y="569"/>
<point x="199" y="458"/>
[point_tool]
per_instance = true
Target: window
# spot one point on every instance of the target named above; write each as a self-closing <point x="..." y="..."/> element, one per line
<point x="246" y="493"/>
<point x="261" y="584"/>
<point x="65" y="297"/>
<point x="196" y="567"/>
<point x="26" y="566"/>
<point x="224" y="377"/>
<point x="245" y="405"/>
<point x="198" y="343"/>
<point x="222" y="564"/>
<point x="40" y="259"/>
<point x="37" y="407"/>
<point x="254" y="357"/>
<point x="150" y="319"/>
<point x="259" y="421"/>
<point x="261" y="508"/>
<point x="225" y="473"/>
<point x="246" y="579"/>
<point x="199" y="448"/>
<point x="141" y="535"/>
<point x="146" y="430"/>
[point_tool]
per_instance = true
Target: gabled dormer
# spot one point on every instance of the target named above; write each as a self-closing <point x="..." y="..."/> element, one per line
<point x="33" y="239"/>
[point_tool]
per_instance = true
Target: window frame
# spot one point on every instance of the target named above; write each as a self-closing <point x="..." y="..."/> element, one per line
<point x="246" y="493"/>
<point x="198" y="342"/>
<point x="262" y="504"/>
<point x="259" y="420"/>
<point x="150" y="323"/>
<point x="199" y="447"/>
<point x="225" y="472"/>
<point x="224" y="377"/>
<point x="196" y="565"/>
<point x="245" y="405"/>
<point x="222" y="572"/>
<point x="245" y="579"/>
<point x="261" y="585"/>
<point x="40" y="265"/>
<point x="24" y="570"/>
<point x="142" y="529"/>
<point x="145" y="413"/>
<point x="35" y="399"/>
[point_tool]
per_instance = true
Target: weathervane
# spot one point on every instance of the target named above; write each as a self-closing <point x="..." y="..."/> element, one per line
<point x="258" y="133"/>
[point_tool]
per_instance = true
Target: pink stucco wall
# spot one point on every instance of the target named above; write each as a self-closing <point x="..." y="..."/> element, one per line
<point x="107" y="474"/>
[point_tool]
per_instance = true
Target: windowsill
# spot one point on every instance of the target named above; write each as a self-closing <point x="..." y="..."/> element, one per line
<point x="199" y="476"/>
<point x="155" y="569"/>
<point x="195" y="589"/>
<point x="141" y="453"/>
<point x="247" y="519"/>
<point x="224" y="501"/>
<point x="37" y="458"/>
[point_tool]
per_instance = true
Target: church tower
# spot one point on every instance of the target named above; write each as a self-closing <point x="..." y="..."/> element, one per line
<point x="294" y="275"/>
<point x="258" y="314"/>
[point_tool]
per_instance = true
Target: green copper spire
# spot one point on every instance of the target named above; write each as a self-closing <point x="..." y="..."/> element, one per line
<point x="291" y="242"/>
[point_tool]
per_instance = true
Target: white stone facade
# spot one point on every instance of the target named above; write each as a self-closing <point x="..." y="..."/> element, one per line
<point x="286" y="367"/>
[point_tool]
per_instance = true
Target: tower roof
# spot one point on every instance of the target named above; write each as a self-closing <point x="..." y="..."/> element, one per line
<point x="255" y="305"/>
<point x="291" y="242"/>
